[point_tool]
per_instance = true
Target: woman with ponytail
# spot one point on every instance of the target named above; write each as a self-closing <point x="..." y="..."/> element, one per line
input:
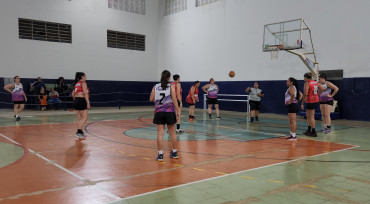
<point x="166" y="112"/>
<point x="292" y="97"/>
<point x="192" y="99"/>
<point x="81" y="102"/>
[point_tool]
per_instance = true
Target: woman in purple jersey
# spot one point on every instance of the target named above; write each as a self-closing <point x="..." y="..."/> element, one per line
<point x="166" y="112"/>
<point x="212" y="90"/>
<point x="326" y="101"/>
<point x="18" y="96"/>
<point x="292" y="97"/>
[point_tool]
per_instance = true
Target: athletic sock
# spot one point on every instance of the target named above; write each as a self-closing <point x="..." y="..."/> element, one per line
<point x="174" y="150"/>
<point x="160" y="152"/>
<point x="210" y="115"/>
<point x="178" y="126"/>
<point x="328" y="127"/>
<point x="79" y="131"/>
<point x="192" y="116"/>
<point x="293" y="134"/>
<point x="313" y="130"/>
<point x="189" y="116"/>
<point x="309" y="129"/>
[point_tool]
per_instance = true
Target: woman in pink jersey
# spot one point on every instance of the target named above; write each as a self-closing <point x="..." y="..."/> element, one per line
<point x="327" y="101"/>
<point x="212" y="90"/>
<point x="19" y="98"/>
<point x="166" y="112"/>
<point x="81" y="103"/>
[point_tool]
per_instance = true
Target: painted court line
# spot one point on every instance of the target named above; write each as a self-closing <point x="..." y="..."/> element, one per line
<point x="209" y="179"/>
<point x="64" y="169"/>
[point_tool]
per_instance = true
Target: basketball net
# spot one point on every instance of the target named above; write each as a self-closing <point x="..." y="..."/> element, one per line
<point x="275" y="53"/>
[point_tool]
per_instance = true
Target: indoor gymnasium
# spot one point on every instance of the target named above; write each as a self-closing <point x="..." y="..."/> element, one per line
<point x="184" y="101"/>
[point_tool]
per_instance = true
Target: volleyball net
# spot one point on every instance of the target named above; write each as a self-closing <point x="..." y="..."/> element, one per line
<point x="235" y="100"/>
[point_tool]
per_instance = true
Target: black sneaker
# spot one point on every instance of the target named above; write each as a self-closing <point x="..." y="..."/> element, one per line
<point x="218" y="118"/>
<point x="313" y="134"/>
<point x="160" y="157"/>
<point x="252" y="119"/>
<point x="174" y="155"/>
<point x="307" y="133"/>
<point x="291" y="138"/>
<point x="257" y="119"/>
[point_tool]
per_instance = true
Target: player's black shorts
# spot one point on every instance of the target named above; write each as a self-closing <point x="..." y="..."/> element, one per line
<point x="80" y="103"/>
<point x="312" y="106"/>
<point x="331" y="102"/>
<point x="19" y="102"/>
<point x="212" y="101"/>
<point x="161" y="118"/>
<point x="292" y="108"/>
<point x="255" y="105"/>
<point x="190" y="104"/>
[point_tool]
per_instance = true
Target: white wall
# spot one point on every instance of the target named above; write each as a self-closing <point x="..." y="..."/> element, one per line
<point x="211" y="40"/>
<point x="88" y="52"/>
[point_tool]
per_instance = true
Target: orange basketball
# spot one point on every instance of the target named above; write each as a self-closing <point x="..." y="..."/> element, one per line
<point x="231" y="74"/>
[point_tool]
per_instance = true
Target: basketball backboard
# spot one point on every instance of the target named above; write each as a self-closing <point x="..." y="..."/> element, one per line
<point x="293" y="36"/>
<point x="286" y="35"/>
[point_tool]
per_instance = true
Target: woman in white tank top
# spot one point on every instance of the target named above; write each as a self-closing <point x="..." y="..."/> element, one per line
<point x="292" y="97"/>
<point x="212" y="90"/>
<point x="19" y="98"/>
<point x="327" y="101"/>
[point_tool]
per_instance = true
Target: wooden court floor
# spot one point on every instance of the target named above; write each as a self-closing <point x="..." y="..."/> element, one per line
<point x="226" y="161"/>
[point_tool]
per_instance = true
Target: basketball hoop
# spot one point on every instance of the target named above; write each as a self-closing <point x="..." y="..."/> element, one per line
<point x="274" y="51"/>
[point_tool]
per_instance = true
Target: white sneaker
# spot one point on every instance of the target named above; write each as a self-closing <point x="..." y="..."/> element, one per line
<point x="179" y="131"/>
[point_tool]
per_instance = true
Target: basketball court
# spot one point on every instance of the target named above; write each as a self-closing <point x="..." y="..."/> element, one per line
<point x="224" y="161"/>
<point x="122" y="48"/>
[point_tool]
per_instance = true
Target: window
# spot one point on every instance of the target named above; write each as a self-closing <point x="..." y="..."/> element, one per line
<point x="44" y="31"/>
<point x="175" y="6"/>
<point x="133" y="6"/>
<point x="122" y="40"/>
<point x="203" y="2"/>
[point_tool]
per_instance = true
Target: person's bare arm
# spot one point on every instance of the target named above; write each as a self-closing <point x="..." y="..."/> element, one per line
<point x="335" y="88"/>
<point x="305" y="94"/>
<point x="174" y="101"/>
<point x="178" y="92"/>
<point x="86" y="94"/>
<point x="192" y="91"/>
<point x="248" y="89"/>
<point x="24" y="95"/>
<point x="9" y="87"/>
<point x="152" y="95"/>
<point x="205" y="87"/>
<point x="300" y="96"/>
<point x="261" y="94"/>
